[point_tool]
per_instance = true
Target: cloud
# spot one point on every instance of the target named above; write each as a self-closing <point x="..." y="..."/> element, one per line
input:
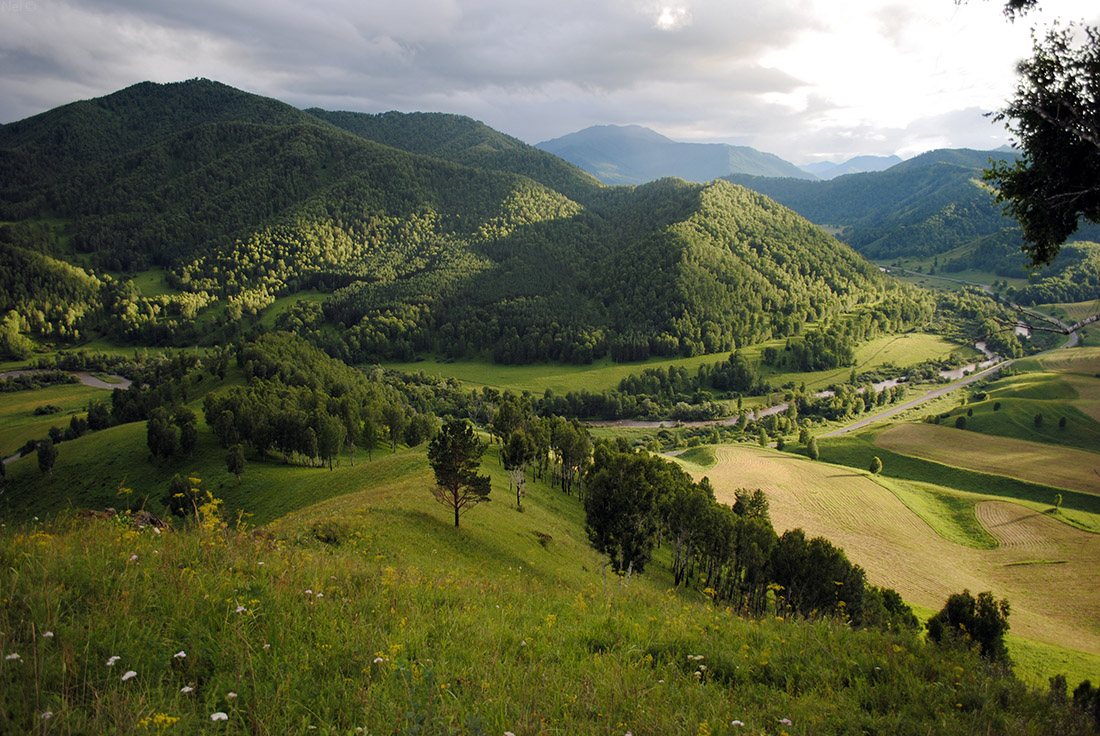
<point x="795" y="77"/>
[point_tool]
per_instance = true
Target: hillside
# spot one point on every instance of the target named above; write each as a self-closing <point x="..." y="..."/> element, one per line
<point x="920" y="207"/>
<point x="355" y="604"/>
<point x="468" y="251"/>
<point x="632" y="154"/>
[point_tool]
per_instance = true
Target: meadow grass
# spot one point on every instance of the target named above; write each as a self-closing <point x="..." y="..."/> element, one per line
<point x="403" y="625"/>
<point x="151" y="283"/>
<point x="949" y="512"/>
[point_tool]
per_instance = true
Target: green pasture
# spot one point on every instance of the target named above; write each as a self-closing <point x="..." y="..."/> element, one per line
<point x="948" y="511"/>
<point x="18" y="422"/>
<point x="901" y="350"/>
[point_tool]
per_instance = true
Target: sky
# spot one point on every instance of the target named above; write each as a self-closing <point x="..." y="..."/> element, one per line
<point x="808" y="80"/>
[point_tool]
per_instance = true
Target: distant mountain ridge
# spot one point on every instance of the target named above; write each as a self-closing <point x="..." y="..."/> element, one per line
<point x="633" y="154"/>
<point x="858" y="165"/>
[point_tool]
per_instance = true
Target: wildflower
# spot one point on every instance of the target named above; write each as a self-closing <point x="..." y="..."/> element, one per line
<point x="523" y="643"/>
<point x="309" y="592"/>
<point x="230" y="695"/>
<point x="785" y="721"/>
<point x="241" y="609"/>
<point x="111" y="661"/>
<point x="186" y="689"/>
<point x="47" y="635"/>
<point x="261" y="562"/>
<point x="47" y="715"/>
<point x="13" y="657"/>
<point x="378" y="660"/>
<point x="320" y="595"/>
<point x="180" y="654"/>
<point x="267" y="646"/>
<point x="219" y="716"/>
<point x="130" y="674"/>
<point x="509" y="733"/>
<point x="133" y="558"/>
<point x="736" y="723"/>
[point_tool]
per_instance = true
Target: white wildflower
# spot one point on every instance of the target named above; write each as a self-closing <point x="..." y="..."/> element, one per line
<point x="130" y="674"/>
<point x="219" y="716"/>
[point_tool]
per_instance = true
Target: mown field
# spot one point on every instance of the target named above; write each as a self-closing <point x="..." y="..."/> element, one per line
<point x="928" y="545"/>
<point x="1039" y="463"/>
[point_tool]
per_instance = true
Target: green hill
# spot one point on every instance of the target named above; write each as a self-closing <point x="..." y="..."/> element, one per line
<point x="484" y="248"/>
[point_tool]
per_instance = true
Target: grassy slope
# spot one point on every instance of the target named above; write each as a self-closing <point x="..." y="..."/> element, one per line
<point x="927" y="542"/>
<point x="18" y="422"/>
<point x="406" y="625"/>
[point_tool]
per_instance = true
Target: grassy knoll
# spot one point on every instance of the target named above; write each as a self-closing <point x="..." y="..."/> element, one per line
<point x="923" y="549"/>
<point x="1034" y="462"/>
<point x="398" y="623"/>
<point x="900" y="350"/>
<point x="151" y="283"/>
<point x="18" y="422"/>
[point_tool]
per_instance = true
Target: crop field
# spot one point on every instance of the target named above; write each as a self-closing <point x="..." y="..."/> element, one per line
<point x="1029" y="461"/>
<point x="900" y="350"/>
<point x="1045" y="568"/>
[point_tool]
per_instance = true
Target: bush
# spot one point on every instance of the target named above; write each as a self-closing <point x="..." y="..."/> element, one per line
<point x="960" y="423"/>
<point x="876" y="465"/>
<point x="982" y="622"/>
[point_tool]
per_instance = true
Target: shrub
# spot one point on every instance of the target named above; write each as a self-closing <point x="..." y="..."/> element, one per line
<point x="876" y="465"/>
<point x="983" y="622"/>
<point x="960" y="423"/>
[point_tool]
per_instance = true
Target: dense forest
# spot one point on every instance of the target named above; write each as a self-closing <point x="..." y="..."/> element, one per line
<point x="411" y="233"/>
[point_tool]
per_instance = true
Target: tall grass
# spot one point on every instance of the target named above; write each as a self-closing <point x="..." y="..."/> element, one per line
<point x="284" y="633"/>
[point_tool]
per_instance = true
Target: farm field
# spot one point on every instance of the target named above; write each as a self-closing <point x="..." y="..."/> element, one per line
<point x="1030" y="461"/>
<point x="1045" y="568"/>
<point x="902" y="350"/>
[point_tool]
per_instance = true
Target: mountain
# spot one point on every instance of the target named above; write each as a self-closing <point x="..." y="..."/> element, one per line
<point x="857" y="165"/>
<point x="632" y="154"/>
<point x="921" y="207"/>
<point x="412" y="233"/>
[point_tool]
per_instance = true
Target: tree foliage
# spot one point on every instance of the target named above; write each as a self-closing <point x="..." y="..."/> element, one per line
<point x="455" y="456"/>
<point x="1056" y="122"/>
<point x="980" y="622"/>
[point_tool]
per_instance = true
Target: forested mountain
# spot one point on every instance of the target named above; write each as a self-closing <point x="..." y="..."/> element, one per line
<point x="926" y="205"/>
<point x="464" y="141"/>
<point x="632" y="154"/>
<point x="484" y="247"/>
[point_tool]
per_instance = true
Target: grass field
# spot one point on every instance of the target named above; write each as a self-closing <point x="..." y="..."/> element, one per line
<point x="1035" y="462"/>
<point x="283" y="303"/>
<point x="1052" y="604"/>
<point x="18" y="422"/>
<point x="902" y="350"/>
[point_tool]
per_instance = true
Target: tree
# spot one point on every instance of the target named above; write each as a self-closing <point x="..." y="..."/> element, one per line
<point x="621" y="503"/>
<point x="455" y="456"/>
<point x="1056" y="122"/>
<point x="876" y="465"/>
<point x="47" y="455"/>
<point x="234" y="461"/>
<point x="393" y="416"/>
<point x="516" y="453"/>
<point x="812" y="450"/>
<point x="982" y="622"/>
<point x="368" y="435"/>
